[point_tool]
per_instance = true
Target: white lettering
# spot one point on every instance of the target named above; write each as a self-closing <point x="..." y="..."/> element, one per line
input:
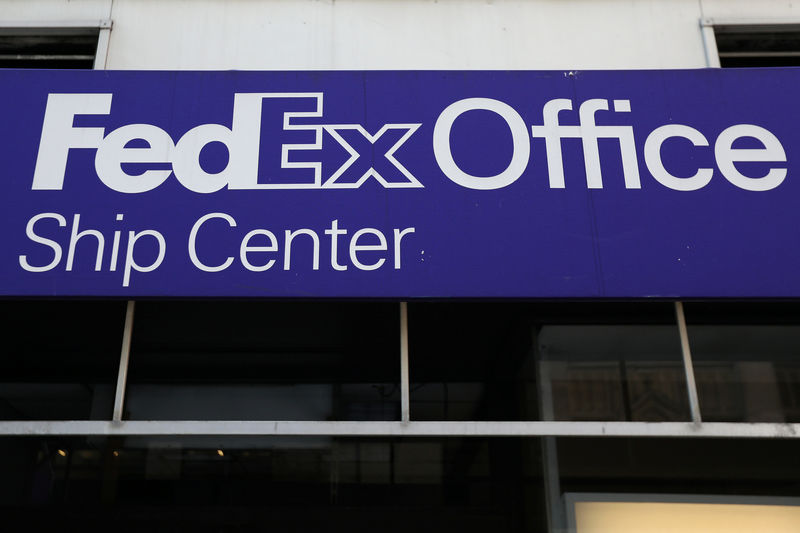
<point x="772" y="152"/>
<point x="130" y="263"/>
<point x="652" y="158"/>
<point x="23" y="259"/>
<point x="75" y="236"/>
<point x="113" y="153"/>
<point x="444" y="155"/>
<point x="591" y="132"/>
<point x="186" y="161"/>
<point x="355" y="248"/>
<point x="398" y="236"/>
<point x="245" y="248"/>
<point x="59" y="135"/>
<point x="290" y="235"/>
<point x="334" y="232"/>
<point x="193" y="241"/>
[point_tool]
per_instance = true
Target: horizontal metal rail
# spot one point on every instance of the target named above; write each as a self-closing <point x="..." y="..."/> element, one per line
<point x="44" y="27"/>
<point x="764" y="53"/>
<point x="47" y="57"/>
<point x="400" y="429"/>
<point x="776" y="24"/>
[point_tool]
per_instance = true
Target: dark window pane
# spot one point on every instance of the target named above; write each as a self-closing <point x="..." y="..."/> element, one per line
<point x="586" y="361"/>
<point x="758" y="46"/>
<point x="48" y="48"/>
<point x="746" y="467"/>
<point x="471" y="361"/>
<point x="255" y="360"/>
<point x="61" y="359"/>
<point x="281" y="484"/>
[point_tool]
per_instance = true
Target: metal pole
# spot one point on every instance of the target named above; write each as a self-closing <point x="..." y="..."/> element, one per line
<point x="405" y="411"/>
<point x="556" y="515"/>
<point x="101" y="52"/>
<point x="124" y="357"/>
<point x="709" y="43"/>
<point x="688" y="366"/>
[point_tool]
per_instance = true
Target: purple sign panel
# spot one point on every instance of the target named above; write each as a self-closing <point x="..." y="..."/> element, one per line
<point x="596" y="184"/>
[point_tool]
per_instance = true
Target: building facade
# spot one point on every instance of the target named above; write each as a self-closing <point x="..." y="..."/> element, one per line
<point x="224" y="407"/>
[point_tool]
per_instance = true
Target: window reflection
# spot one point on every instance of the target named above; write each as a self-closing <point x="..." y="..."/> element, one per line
<point x="747" y="362"/>
<point x="552" y="361"/>
<point x="282" y="483"/>
<point x="614" y="372"/>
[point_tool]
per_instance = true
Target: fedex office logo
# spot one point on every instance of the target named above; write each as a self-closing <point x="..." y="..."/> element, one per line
<point x="369" y="155"/>
<point x="372" y="155"/>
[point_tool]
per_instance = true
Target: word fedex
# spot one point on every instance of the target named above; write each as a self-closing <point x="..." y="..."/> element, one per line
<point x="374" y="155"/>
<point x="242" y="141"/>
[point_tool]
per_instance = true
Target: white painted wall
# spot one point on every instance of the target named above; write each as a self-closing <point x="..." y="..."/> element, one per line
<point x="401" y="34"/>
<point x="405" y="34"/>
<point x="774" y="10"/>
<point x="49" y="10"/>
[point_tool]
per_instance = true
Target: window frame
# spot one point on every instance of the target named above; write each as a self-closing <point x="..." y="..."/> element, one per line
<point x="708" y="25"/>
<point x="102" y="26"/>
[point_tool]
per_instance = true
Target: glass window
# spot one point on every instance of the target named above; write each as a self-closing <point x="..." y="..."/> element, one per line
<point x="726" y="468"/>
<point x="687" y="513"/>
<point x="471" y="361"/>
<point x="51" y="48"/>
<point x="553" y="361"/>
<point x="627" y="372"/>
<point x="60" y="360"/>
<point x="746" y="360"/>
<point x="774" y="45"/>
<point x="281" y="484"/>
<point x="256" y="360"/>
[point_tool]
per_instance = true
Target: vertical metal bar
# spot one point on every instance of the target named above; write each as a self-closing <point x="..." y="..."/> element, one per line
<point x="688" y="366"/>
<point x="709" y="43"/>
<point x="101" y="54"/>
<point x="405" y="411"/>
<point x="556" y="514"/>
<point x="124" y="357"/>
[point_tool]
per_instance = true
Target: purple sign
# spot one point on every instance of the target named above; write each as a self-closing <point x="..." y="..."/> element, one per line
<point x="400" y="184"/>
